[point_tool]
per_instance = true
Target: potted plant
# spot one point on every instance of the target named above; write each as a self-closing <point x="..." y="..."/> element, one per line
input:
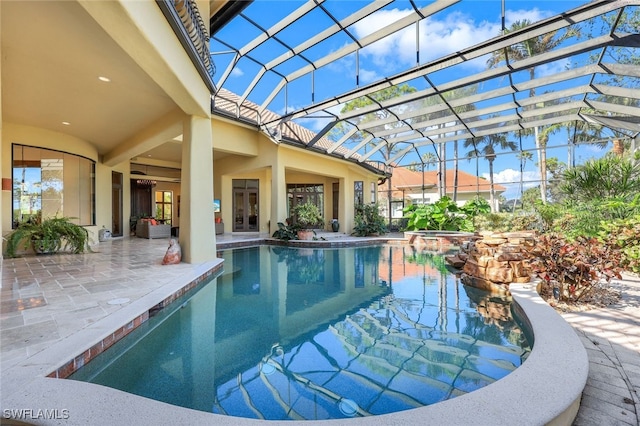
<point x="286" y="231"/>
<point x="307" y="217"/>
<point x="48" y="236"/>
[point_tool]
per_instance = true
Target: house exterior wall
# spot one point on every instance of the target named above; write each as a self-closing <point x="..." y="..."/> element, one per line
<point x="433" y="196"/>
<point x="140" y="30"/>
<point x="42" y="138"/>
<point x="138" y="34"/>
<point x="259" y="157"/>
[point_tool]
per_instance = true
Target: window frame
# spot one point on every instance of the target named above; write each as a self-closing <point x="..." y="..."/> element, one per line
<point x="85" y="197"/>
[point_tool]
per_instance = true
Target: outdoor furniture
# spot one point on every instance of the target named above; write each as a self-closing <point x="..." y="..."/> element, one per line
<point x="146" y="229"/>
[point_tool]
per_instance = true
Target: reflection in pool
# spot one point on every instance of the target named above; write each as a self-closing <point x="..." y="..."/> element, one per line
<point x="318" y="334"/>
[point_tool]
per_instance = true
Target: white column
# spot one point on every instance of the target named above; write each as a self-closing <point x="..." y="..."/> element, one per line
<point x="197" y="232"/>
<point x="278" y="195"/>
<point x="346" y="205"/>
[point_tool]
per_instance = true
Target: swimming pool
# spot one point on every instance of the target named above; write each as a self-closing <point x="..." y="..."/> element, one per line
<point x="318" y="333"/>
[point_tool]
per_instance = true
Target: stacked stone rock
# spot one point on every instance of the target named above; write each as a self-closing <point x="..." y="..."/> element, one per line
<point x="495" y="260"/>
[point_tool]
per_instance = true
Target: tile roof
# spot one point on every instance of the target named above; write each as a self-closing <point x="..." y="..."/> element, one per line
<point x="226" y="103"/>
<point x="404" y="178"/>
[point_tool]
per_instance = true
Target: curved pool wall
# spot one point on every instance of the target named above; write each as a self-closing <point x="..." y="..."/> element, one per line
<point x="546" y="389"/>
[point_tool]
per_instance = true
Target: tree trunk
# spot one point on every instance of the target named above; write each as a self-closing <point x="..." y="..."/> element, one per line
<point x="390" y="204"/>
<point x="492" y="191"/>
<point x="455" y="171"/>
<point x="542" y="165"/>
<point x="543" y="170"/>
<point x="618" y="147"/>
<point x="440" y="166"/>
<point x="522" y="163"/>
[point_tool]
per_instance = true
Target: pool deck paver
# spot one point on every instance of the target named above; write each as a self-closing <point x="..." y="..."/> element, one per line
<point x="611" y="336"/>
<point x="45" y="299"/>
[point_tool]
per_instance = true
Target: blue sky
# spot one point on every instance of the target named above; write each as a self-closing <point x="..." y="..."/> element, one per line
<point x="455" y="28"/>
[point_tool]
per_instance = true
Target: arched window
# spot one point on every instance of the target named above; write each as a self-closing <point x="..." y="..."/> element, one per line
<point x="49" y="183"/>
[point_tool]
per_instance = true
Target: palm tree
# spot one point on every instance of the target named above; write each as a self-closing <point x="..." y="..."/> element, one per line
<point x="485" y="146"/>
<point x="441" y="151"/>
<point x="527" y="49"/>
<point x="428" y="159"/>
<point x="389" y="149"/>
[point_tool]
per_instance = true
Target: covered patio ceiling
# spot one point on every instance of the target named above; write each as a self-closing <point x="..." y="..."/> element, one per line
<point x="329" y="66"/>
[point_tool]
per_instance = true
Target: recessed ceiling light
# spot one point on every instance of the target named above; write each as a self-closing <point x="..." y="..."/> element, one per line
<point x="66" y="123"/>
<point x="105" y="79"/>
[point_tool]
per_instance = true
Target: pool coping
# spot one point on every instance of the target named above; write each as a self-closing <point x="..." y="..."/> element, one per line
<point x="545" y="389"/>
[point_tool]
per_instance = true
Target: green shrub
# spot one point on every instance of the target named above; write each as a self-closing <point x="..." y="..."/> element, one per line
<point x="48" y="236"/>
<point x="548" y="214"/>
<point x="368" y="221"/>
<point x="624" y="235"/>
<point x="523" y="222"/>
<point x="307" y="215"/>
<point x="445" y="215"/>
<point x="505" y="222"/>
<point x="585" y="218"/>
<point x="609" y="177"/>
<point x="569" y="269"/>
<point x="286" y="232"/>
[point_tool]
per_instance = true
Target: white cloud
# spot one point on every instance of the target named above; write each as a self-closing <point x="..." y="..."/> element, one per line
<point x="237" y="72"/>
<point x="552" y="68"/>
<point x="456" y="32"/>
<point x="534" y="15"/>
<point x="368" y="76"/>
<point x="510" y="179"/>
<point x="313" y="124"/>
<point x="438" y="37"/>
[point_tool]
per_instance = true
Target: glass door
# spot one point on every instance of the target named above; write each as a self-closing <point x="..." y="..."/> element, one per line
<point x="116" y="204"/>
<point x="245" y="205"/>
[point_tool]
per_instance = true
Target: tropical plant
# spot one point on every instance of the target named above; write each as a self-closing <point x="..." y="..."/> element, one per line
<point x="368" y="221"/>
<point x="378" y="115"/>
<point x="503" y="222"/>
<point x="555" y="172"/>
<point x="475" y="207"/>
<point x="570" y="269"/>
<point x="444" y="215"/>
<point x="286" y="232"/>
<point x="624" y="235"/>
<point x="529" y="198"/>
<point x="427" y="160"/>
<point x="608" y="177"/>
<point x="527" y="49"/>
<point x="464" y="92"/>
<point x="486" y="146"/>
<point x="48" y="236"/>
<point x="307" y="215"/>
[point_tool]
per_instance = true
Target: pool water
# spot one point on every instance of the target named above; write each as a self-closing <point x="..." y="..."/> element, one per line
<point x="288" y="333"/>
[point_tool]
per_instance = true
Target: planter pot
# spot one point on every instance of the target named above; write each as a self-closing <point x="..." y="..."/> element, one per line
<point x="305" y="234"/>
<point x="335" y="226"/>
<point x="44" y="247"/>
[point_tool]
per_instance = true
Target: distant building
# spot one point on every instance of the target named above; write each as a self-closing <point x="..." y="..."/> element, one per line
<point x="407" y="188"/>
